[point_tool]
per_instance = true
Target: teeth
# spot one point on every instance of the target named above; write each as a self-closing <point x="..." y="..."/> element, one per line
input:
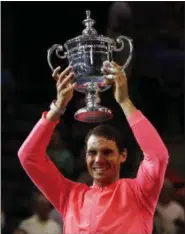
<point x="100" y="169"/>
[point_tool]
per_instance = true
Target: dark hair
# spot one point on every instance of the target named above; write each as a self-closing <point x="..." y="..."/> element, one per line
<point x="109" y="133"/>
<point x="34" y="199"/>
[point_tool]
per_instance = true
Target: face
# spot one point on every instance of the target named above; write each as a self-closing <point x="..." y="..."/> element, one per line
<point x="43" y="207"/>
<point x="103" y="160"/>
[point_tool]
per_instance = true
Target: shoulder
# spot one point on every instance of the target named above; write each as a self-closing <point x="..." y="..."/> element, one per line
<point x="54" y="226"/>
<point x="130" y="184"/>
<point x="78" y="191"/>
<point x="130" y="188"/>
<point x="176" y="207"/>
<point x="80" y="187"/>
<point x="28" y="221"/>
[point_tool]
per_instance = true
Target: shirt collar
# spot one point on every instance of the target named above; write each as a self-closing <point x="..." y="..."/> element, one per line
<point x="106" y="188"/>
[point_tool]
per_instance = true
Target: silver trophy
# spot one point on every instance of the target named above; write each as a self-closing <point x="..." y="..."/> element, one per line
<point x="86" y="54"/>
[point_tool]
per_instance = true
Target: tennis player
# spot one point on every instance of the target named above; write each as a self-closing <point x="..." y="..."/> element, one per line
<point x="112" y="205"/>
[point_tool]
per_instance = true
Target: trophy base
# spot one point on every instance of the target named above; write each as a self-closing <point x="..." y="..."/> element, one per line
<point x="93" y="115"/>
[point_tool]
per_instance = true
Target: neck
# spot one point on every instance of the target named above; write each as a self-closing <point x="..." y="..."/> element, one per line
<point x="42" y="218"/>
<point x="164" y="203"/>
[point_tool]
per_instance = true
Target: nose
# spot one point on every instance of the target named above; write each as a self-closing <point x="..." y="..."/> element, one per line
<point x="99" y="158"/>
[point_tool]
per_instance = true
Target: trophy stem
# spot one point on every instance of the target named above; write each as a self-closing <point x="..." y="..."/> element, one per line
<point x="93" y="112"/>
<point x="91" y="99"/>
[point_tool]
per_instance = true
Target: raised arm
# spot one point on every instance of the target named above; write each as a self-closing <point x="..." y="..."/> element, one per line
<point x="32" y="153"/>
<point x="150" y="176"/>
<point x="151" y="172"/>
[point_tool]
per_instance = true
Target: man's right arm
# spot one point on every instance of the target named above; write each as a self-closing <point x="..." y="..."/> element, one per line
<point x="39" y="167"/>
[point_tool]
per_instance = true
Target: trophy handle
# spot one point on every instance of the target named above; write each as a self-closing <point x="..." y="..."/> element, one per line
<point x="58" y="48"/>
<point x="120" y="40"/>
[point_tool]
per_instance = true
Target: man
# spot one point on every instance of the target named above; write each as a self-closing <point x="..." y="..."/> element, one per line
<point x="40" y="221"/>
<point x="60" y="155"/>
<point x="171" y="213"/>
<point x="56" y="216"/>
<point x="112" y="205"/>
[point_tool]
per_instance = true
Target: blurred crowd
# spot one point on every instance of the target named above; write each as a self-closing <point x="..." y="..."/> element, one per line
<point x="155" y="83"/>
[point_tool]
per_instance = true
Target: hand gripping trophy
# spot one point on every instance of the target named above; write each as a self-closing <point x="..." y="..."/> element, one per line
<point x="86" y="54"/>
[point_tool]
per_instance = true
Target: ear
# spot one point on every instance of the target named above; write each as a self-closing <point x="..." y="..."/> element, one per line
<point x="123" y="156"/>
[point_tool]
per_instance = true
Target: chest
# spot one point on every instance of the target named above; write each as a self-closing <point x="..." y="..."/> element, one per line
<point x="99" y="209"/>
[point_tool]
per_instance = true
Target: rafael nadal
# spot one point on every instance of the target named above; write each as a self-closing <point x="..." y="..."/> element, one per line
<point x="112" y="205"/>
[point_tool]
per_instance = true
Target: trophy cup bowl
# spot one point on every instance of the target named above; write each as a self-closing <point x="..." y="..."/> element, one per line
<point x="86" y="54"/>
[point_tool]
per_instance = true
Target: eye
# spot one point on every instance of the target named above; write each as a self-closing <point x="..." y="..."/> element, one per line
<point x="107" y="152"/>
<point x="92" y="152"/>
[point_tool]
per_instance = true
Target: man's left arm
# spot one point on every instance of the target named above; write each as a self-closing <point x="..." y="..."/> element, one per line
<point x="150" y="176"/>
<point x="151" y="172"/>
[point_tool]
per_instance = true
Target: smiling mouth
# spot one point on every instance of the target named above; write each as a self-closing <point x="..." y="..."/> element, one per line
<point x="100" y="169"/>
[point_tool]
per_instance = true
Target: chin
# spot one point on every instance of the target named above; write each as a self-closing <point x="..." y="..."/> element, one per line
<point x="102" y="177"/>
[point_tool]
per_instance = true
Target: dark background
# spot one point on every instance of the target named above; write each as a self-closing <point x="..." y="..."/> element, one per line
<point x="156" y="80"/>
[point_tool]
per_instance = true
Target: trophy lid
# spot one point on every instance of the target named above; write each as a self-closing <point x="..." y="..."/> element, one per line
<point x="88" y="22"/>
<point x="89" y="32"/>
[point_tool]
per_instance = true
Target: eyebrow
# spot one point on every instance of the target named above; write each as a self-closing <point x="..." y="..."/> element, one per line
<point x="102" y="149"/>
